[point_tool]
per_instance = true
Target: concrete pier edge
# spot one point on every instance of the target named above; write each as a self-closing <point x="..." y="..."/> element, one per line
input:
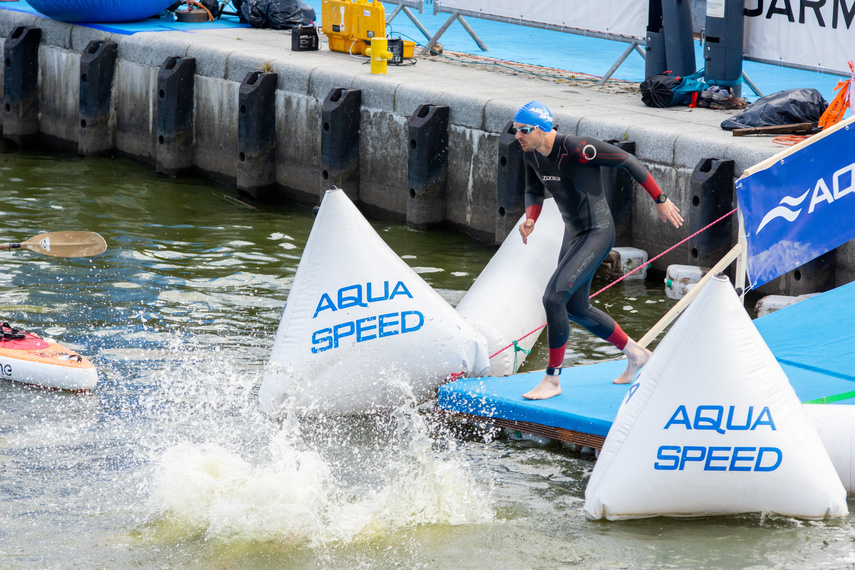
<point x="670" y="142"/>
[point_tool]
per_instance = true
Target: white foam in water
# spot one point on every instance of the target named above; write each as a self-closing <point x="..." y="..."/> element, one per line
<point x="214" y="490"/>
<point x="291" y="485"/>
<point x="295" y="497"/>
<point x="423" y="487"/>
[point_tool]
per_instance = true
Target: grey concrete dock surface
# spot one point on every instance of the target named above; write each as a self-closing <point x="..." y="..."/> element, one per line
<point x="461" y="191"/>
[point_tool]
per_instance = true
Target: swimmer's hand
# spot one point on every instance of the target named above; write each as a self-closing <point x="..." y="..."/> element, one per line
<point x="527" y="227"/>
<point x="668" y="212"/>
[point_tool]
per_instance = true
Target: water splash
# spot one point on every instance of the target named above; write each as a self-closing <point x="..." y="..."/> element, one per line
<point x="215" y="492"/>
<point x="427" y="487"/>
<point x="317" y="481"/>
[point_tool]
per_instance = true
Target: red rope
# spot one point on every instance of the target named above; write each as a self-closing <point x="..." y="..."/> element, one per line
<point x="678" y="244"/>
<point x="706" y="227"/>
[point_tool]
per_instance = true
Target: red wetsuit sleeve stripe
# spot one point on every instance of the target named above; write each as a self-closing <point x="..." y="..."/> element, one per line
<point x="533" y="212"/>
<point x="618" y="338"/>
<point x="651" y="187"/>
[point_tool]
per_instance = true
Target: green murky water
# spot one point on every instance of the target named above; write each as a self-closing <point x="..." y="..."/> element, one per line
<point x="169" y="463"/>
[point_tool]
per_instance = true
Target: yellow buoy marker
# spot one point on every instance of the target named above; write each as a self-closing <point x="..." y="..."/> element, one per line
<point x="379" y="54"/>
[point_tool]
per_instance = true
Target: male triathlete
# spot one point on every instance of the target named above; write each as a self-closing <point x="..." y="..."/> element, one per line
<point x="569" y="168"/>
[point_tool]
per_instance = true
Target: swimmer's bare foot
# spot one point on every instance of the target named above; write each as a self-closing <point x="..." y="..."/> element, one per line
<point x="550" y="386"/>
<point x="636" y="357"/>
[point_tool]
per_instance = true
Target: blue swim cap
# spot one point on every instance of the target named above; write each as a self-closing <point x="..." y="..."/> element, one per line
<point x="535" y="113"/>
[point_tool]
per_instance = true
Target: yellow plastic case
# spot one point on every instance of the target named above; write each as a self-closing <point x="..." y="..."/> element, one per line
<point x="369" y="20"/>
<point x="337" y="16"/>
<point x="350" y="25"/>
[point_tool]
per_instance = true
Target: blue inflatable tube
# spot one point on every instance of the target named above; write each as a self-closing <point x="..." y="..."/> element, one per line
<point x="99" y="10"/>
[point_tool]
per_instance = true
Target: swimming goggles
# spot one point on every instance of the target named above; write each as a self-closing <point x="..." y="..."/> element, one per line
<point x="523" y="130"/>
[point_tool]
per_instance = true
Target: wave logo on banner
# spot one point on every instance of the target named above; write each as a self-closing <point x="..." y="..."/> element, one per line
<point x="783" y="211"/>
<point x="799" y="204"/>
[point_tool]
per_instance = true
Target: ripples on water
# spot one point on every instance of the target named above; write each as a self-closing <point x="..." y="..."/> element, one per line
<point x="169" y="463"/>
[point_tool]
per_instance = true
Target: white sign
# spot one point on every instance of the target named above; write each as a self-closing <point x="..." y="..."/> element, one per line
<point x="715" y="8"/>
<point x="816" y="35"/>
<point x="616" y="17"/>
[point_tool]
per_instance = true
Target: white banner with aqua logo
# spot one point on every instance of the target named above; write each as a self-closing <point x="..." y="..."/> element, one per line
<point x="817" y="35"/>
<point x="799" y="204"/>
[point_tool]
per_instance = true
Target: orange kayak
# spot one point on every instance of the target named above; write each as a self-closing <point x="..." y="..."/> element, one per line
<point x="29" y="359"/>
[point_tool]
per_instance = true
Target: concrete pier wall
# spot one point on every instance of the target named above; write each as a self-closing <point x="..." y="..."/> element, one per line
<point x="670" y="142"/>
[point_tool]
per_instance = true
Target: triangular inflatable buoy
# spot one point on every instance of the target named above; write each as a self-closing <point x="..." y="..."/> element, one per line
<point x="361" y="330"/>
<point x="711" y="425"/>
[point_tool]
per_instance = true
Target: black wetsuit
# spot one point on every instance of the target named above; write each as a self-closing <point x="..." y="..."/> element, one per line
<point x="571" y="173"/>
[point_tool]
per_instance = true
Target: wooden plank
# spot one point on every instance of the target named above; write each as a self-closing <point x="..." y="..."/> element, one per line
<point x="550" y="432"/>
<point x="795" y="128"/>
<point x="844" y="124"/>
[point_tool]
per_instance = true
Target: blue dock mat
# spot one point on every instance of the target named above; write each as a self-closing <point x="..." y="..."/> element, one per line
<point x="588" y="402"/>
<point x="813" y="341"/>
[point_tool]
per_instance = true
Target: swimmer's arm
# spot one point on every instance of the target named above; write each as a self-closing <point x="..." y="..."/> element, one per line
<point x="667" y="211"/>
<point x="534" y="195"/>
<point x="531" y="215"/>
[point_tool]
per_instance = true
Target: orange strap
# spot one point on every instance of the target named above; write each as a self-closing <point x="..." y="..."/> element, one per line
<point x="835" y="111"/>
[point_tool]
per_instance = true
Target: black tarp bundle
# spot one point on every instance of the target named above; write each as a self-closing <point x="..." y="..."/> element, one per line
<point x="658" y="91"/>
<point x="274" y="14"/>
<point x="789" y="107"/>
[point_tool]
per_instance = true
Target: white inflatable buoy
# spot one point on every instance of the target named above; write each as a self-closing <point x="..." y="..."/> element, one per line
<point x="361" y="330"/>
<point x="835" y="424"/>
<point x="711" y="425"/>
<point x="504" y="304"/>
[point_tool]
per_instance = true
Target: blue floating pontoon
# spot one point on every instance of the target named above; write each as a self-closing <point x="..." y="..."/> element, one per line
<point x="812" y="340"/>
